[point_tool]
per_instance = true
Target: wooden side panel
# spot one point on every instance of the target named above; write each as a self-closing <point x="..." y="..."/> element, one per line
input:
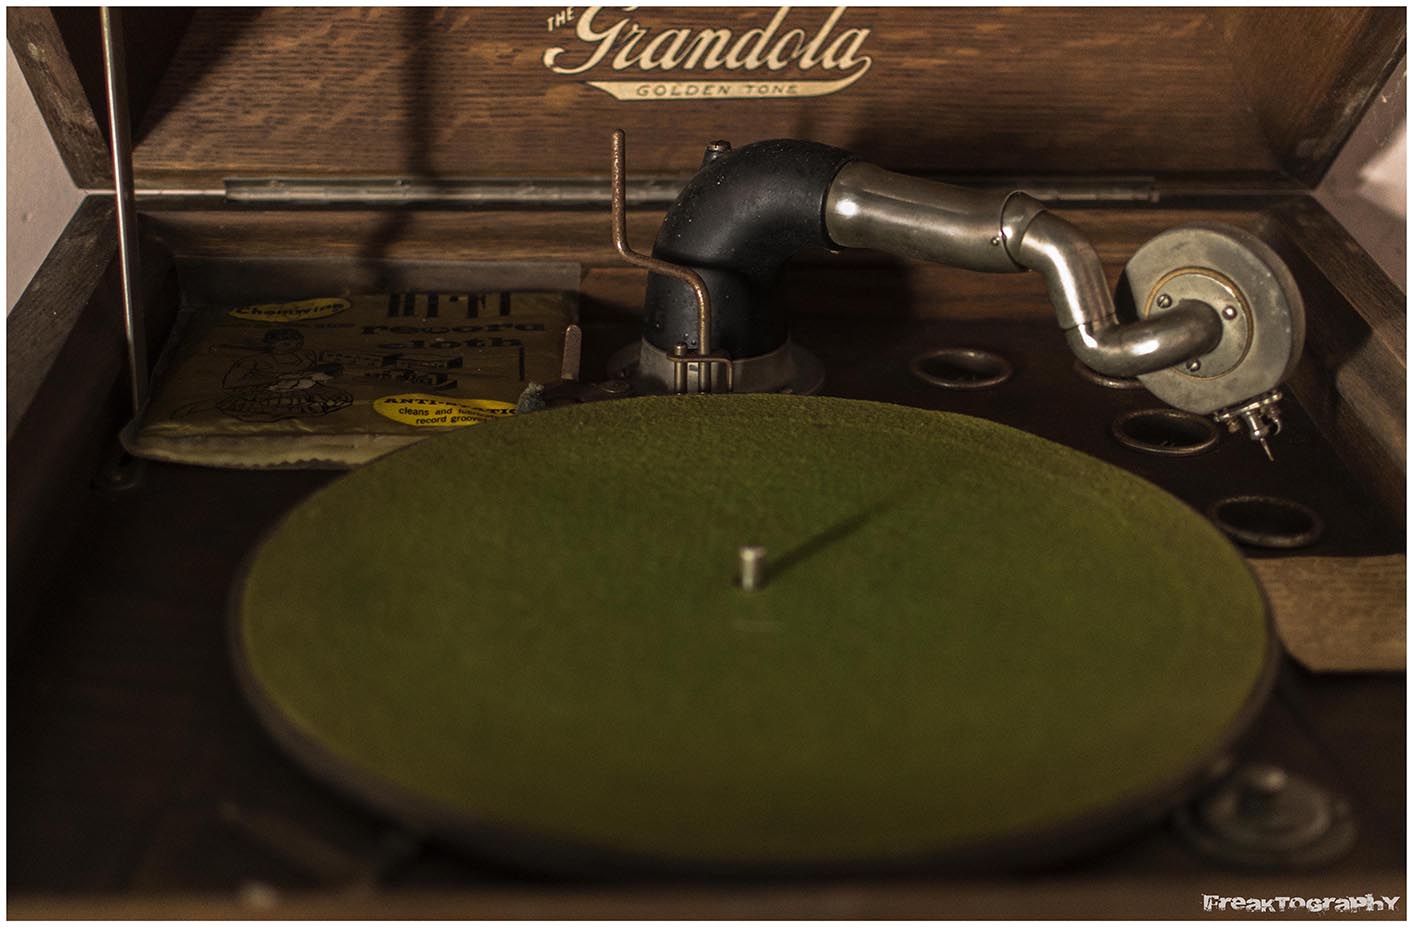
<point x="44" y="60"/>
<point x="67" y="406"/>
<point x="1339" y="614"/>
<point x="47" y="310"/>
<point x="562" y="235"/>
<point x="1353" y="379"/>
<point x="468" y="92"/>
<point x="150" y="36"/>
<point x="1310" y="72"/>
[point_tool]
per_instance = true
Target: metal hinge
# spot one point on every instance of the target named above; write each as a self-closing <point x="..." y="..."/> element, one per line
<point x="1092" y="190"/>
<point x="585" y="192"/>
<point x="588" y="191"/>
<point x="490" y="193"/>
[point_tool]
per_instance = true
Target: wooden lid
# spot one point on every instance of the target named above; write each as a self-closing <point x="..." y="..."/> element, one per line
<point x="1260" y="95"/>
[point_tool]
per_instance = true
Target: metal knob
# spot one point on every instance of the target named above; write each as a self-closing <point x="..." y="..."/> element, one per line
<point x="1262" y="816"/>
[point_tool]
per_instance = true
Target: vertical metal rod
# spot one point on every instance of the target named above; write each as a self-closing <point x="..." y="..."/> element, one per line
<point x="116" y="83"/>
<point x="679" y="371"/>
<point x="573" y="350"/>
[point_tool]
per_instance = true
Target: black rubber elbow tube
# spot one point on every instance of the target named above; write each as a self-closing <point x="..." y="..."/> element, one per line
<point x="735" y="223"/>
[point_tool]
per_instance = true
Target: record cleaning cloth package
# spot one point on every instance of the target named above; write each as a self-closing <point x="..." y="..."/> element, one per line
<point x="335" y="380"/>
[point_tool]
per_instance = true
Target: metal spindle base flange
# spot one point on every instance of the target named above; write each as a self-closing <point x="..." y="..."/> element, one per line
<point x="790" y="369"/>
<point x="1262" y="817"/>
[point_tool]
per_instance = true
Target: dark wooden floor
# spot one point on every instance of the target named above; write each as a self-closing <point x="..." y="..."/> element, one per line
<point x="136" y="770"/>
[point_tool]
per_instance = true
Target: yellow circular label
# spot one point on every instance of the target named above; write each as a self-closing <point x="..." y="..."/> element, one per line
<point x="297" y="311"/>
<point x="424" y="411"/>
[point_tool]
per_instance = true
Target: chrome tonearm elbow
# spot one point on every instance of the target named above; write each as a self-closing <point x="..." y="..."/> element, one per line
<point x="868" y="207"/>
<point x="1063" y="256"/>
<point x="1217" y="321"/>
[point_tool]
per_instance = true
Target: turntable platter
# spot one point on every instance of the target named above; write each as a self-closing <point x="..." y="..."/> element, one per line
<point x="972" y="643"/>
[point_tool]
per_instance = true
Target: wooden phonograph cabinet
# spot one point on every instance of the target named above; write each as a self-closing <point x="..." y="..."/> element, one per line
<point x="287" y="153"/>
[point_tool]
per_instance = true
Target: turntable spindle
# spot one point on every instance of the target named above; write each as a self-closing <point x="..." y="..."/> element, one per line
<point x="752" y="564"/>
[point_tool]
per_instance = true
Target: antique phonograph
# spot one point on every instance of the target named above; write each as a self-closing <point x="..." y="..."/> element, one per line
<point x="733" y="224"/>
<point x="818" y="559"/>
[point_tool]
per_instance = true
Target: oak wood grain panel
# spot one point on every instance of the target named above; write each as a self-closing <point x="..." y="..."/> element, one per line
<point x="47" y="310"/>
<point x="44" y="60"/>
<point x="150" y="37"/>
<point x="1310" y="73"/>
<point x="1353" y="379"/>
<point x="55" y="450"/>
<point x="570" y="235"/>
<point x="1349" y="269"/>
<point x="403" y="234"/>
<point x="461" y="92"/>
<point x="1339" y="614"/>
<point x="74" y="412"/>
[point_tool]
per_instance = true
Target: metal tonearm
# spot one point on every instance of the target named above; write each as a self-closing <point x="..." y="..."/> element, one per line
<point x="1213" y="321"/>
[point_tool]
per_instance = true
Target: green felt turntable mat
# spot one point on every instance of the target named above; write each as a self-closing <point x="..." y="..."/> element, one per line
<point x="528" y="634"/>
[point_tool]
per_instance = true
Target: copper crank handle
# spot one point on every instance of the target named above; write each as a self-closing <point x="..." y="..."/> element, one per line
<point x="618" y="196"/>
